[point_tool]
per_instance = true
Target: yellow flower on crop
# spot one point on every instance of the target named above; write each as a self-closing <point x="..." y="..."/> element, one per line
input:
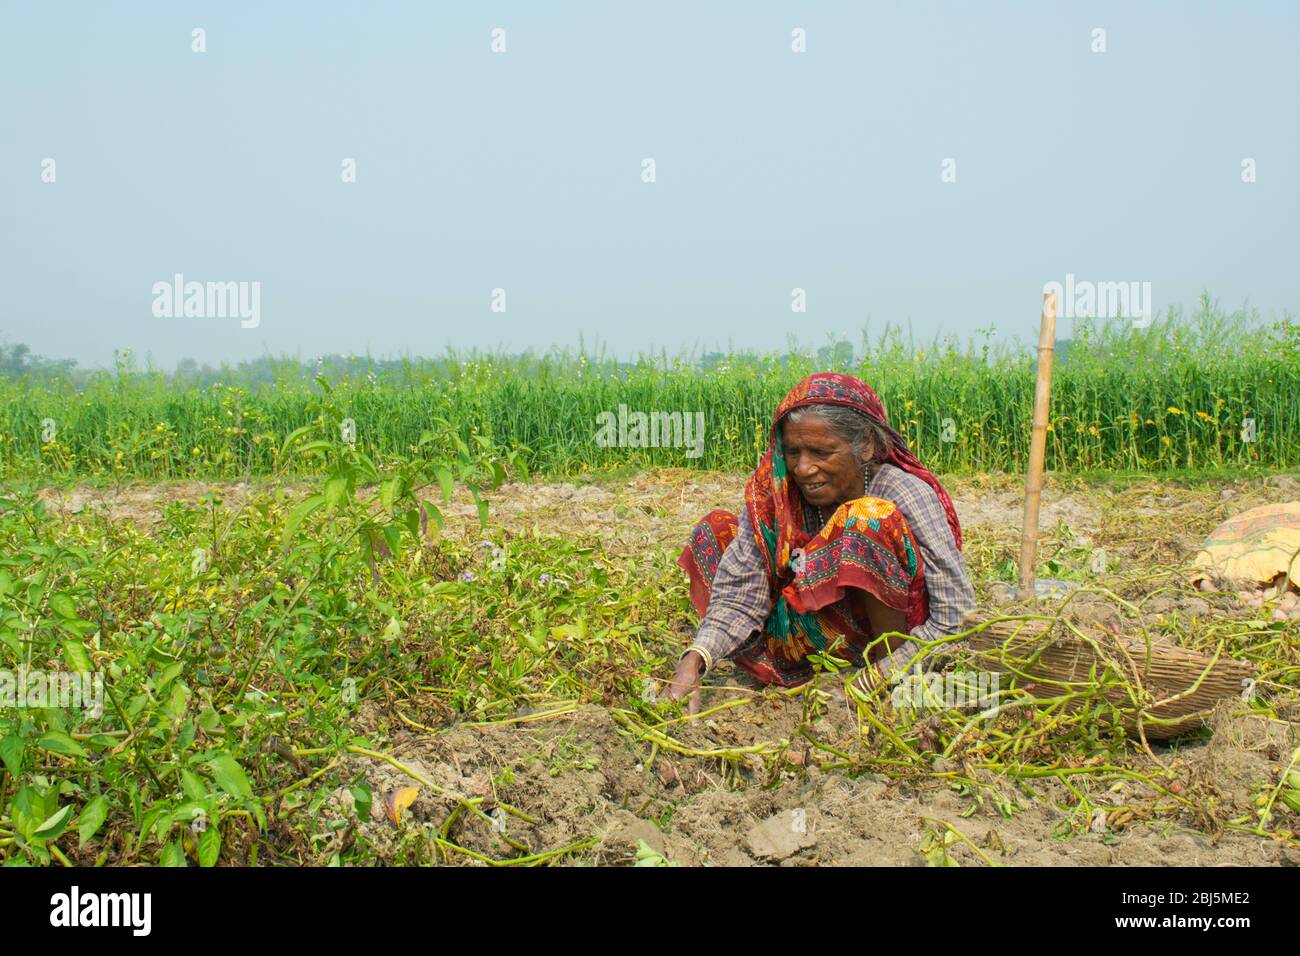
<point x="1050" y="428"/>
<point x="1165" y="439"/>
<point x="1204" y="416"/>
<point x="1150" y="421"/>
<point x="1092" y="429"/>
<point x="1176" y="411"/>
<point x="194" y="451"/>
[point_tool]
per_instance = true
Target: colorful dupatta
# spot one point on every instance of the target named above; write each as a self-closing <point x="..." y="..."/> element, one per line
<point x="817" y="576"/>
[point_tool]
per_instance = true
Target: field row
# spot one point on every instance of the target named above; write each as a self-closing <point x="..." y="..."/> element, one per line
<point x="1161" y="399"/>
<point x="271" y="675"/>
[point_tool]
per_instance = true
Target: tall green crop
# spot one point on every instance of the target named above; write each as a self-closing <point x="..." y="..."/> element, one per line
<point x="1216" y="391"/>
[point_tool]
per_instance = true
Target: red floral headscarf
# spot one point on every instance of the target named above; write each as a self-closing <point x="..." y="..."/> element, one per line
<point x="775" y="503"/>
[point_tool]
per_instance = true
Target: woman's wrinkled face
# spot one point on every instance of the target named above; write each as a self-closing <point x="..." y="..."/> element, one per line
<point x="821" y="463"/>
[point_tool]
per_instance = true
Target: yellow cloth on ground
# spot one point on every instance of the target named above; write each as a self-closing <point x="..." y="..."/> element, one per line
<point x="1254" y="547"/>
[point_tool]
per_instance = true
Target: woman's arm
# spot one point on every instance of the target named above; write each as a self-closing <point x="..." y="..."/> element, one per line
<point x="739" y="601"/>
<point x="947" y="583"/>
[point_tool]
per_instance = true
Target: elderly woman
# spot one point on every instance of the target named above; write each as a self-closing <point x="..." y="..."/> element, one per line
<point x="846" y="543"/>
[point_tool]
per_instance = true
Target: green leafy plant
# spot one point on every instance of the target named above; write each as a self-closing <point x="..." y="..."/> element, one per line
<point x="648" y="856"/>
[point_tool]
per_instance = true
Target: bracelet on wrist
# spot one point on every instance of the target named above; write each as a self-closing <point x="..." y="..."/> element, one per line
<point x="705" y="656"/>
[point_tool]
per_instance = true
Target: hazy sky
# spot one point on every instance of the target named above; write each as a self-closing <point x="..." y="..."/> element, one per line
<point x="523" y="170"/>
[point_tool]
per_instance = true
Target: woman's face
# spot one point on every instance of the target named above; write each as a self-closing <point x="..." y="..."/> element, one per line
<point x="822" y="464"/>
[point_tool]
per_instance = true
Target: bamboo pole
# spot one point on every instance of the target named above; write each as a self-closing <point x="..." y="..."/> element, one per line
<point x="1037" y="445"/>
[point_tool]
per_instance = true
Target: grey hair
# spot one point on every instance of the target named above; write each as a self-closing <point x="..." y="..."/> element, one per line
<point x="850" y="425"/>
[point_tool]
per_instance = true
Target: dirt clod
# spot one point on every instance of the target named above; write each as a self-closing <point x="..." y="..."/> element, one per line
<point x="780" y="836"/>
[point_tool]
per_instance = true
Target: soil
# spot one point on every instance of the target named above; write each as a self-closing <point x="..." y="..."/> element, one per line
<point x="664" y="504"/>
<point x="582" y="778"/>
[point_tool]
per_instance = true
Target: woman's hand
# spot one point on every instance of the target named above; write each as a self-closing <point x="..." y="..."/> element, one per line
<point x="686" y="680"/>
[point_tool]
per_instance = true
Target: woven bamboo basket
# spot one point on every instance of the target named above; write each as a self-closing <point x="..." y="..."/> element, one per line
<point x="1176" y="688"/>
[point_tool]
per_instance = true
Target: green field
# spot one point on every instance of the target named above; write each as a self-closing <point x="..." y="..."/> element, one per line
<point x="1213" y="391"/>
<point x="375" y="648"/>
<point x="281" y="664"/>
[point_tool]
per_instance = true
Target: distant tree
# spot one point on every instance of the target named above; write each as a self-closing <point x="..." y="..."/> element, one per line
<point x="711" y="360"/>
<point x="18" y="361"/>
<point x="837" y="355"/>
<point x="13" y="359"/>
